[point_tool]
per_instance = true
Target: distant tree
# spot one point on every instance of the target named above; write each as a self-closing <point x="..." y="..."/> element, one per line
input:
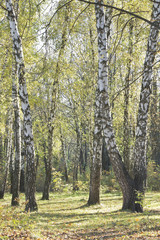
<point x="52" y="109"/>
<point x="8" y="153"/>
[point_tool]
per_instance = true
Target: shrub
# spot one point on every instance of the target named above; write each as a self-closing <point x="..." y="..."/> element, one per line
<point x="109" y="182"/>
<point x="57" y="183"/>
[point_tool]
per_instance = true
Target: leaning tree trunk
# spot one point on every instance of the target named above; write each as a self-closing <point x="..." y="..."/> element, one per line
<point x="17" y="139"/>
<point x="103" y="121"/>
<point x="140" y="165"/>
<point x="126" y="183"/>
<point x="31" y="204"/>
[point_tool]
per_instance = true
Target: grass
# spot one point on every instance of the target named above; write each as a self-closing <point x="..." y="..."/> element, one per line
<point x="66" y="216"/>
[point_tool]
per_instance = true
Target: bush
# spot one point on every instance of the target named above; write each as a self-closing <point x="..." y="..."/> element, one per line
<point x="109" y="182"/>
<point x="57" y="183"/>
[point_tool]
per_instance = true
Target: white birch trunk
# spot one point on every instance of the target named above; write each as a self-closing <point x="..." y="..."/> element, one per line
<point x="17" y="130"/>
<point x="28" y="133"/>
<point x="103" y="123"/>
<point x="96" y="161"/>
<point x="140" y="166"/>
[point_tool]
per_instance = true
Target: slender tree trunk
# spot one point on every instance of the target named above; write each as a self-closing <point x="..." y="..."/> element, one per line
<point x="23" y="161"/>
<point x="85" y="156"/>
<point x="53" y="107"/>
<point x="81" y="160"/>
<point x="48" y="171"/>
<point x="11" y="168"/>
<point x="140" y="165"/>
<point x="8" y="156"/>
<point x="126" y="152"/>
<point x="31" y="204"/>
<point x="17" y="131"/>
<point x="76" y="159"/>
<point x="64" y="157"/>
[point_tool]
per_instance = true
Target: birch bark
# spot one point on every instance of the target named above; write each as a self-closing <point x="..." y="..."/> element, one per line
<point x="17" y="138"/>
<point x="96" y="161"/>
<point x="140" y="165"/>
<point x="28" y="133"/>
<point x="103" y="121"/>
<point x="154" y="123"/>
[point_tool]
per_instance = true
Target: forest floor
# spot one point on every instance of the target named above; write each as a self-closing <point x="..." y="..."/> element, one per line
<point x="66" y="216"/>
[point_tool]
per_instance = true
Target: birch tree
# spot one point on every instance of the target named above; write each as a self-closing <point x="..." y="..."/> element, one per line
<point x="28" y="132"/>
<point x="140" y="164"/>
<point x="17" y="139"/>
<point x="132" y="189"/>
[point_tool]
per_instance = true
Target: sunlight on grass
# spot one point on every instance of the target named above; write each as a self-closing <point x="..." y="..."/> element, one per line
<point x="68" y="216"/>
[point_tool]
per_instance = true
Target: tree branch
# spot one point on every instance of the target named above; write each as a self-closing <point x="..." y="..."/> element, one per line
<point x="56" y="12"/>
<point x="3" y="7"/>
<point x="155" y="24"/>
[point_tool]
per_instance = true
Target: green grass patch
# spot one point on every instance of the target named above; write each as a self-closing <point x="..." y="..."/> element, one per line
<point x="66" y="216"/>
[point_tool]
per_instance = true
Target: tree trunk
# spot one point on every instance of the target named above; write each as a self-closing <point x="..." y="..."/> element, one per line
<point x="64" y="157"/>
<point x="140" y="165"/>
<point x="81" y="160"/>
<point x="31" y="204"/>
<point x="48" y="166"/>
<point x="126" y="150"/>
<point x="77" y="157"/>
<point x="154" y="124"/>
<point x="96" y="161"/>
<point x="53" y="106"/>
<point x="132" y="190"/>
<point x="105" y="158"/>
<point x="23" y="161"/>
<point x="95" y="168"/>
<point x="8" y="156"/>
<point x="17" y="139"/>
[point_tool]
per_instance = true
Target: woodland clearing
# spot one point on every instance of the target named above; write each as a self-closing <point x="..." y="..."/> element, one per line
<point x="66" y="216"/>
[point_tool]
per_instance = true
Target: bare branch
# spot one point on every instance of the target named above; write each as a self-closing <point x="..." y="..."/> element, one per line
<point x="57" y="11"/>
<point x="3" y="7"/>
<point x="154" y="23"/>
